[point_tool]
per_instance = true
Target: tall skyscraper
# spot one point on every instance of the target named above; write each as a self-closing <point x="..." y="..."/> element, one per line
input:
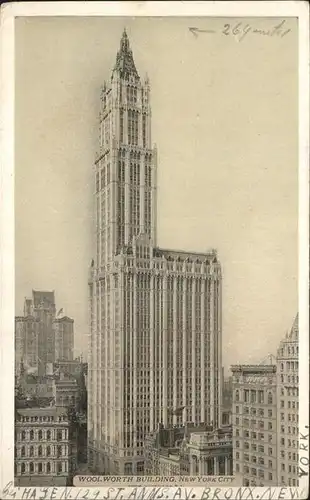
<point x="155" y="314"/>
<point x="41" y="337"/>
<point x="288" y="383"/>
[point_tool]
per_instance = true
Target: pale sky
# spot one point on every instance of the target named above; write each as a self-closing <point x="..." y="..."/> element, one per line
<point x="224" y="118"/>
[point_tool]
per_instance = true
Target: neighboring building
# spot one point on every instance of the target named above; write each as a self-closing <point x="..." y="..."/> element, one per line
<point x="288" y="408"/>
<point x="255" y="424"/>
<point x="43" y="308"/>
<point x="41" y="337"/>
<point x="210" y="453"/>
<point x="45" y="447"/>
<point x="155" y="314"/>
<point x="169" y="463"/>
<point x="66" y="392"/>
<point x="227" y="401"/>
<point x="27" y="335"/>
<point x="69" y="368"/>
<point x="189" y="450"/>
<point x="64" y="338"/>
<point x="227" y="393"/>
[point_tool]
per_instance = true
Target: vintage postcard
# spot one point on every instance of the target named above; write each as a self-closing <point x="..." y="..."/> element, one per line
<point x="154" y="250"/>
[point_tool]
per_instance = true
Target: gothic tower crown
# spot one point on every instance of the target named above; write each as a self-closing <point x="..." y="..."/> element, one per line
<point x="125" y="64"/>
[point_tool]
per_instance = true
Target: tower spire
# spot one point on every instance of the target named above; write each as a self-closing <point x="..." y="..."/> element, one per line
<point x="125" y="64"/>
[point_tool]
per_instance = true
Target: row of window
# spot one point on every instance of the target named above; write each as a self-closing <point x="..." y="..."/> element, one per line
<point x="289" y="366"/>
<point x="291" y="350"/>
<point x="40" y="451"/>
<point x="290" y="443"/>
<point x="255" y="411"/>
<point x="255" y="472"/>
<point x="294" y="405"/>
<point x="253" y="396"/>
<point x="39" y="435"/>
<point x="51" y="418"/>
<point x="270" y="450"/>
<point x="59" y="467"/>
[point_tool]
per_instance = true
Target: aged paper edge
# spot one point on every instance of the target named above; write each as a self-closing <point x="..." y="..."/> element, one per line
<point x="7" y="281"/>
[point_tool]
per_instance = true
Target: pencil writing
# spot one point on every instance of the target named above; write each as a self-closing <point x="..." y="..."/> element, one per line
<point x="241" y="30"/>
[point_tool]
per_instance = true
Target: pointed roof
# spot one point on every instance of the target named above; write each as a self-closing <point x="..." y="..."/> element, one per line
<point x="125" y="64"/>
<point x="293" y="335"/>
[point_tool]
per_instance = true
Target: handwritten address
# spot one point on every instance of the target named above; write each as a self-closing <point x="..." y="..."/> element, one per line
<point x="242" y="30"/>
<point x="144" y="493"/>
<point x="303" y="469"/>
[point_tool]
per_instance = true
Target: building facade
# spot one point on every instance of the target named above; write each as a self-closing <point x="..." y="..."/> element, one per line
<point x="66" y="392"/>
<point x="45" y="447"/>
<point x="155" y="314"/>
<point x="64" y="338"/>
<point x="288" y="407"/>
<point x="189" y="450"/>
<point x="41" y="337"/>
<point x="27" y="334"/>
<point x="254" y="420"/>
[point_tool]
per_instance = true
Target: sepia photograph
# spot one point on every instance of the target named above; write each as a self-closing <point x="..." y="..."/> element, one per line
<point x="156" y="227"/>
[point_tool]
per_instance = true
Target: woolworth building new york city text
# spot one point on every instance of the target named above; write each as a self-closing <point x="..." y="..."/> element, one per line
<point x="155" y="314"/>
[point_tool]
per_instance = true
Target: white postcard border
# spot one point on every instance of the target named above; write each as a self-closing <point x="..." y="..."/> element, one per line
<point x="215" y="9"/>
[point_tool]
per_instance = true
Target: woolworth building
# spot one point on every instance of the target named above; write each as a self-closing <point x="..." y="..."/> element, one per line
<point x="155" y="314"/>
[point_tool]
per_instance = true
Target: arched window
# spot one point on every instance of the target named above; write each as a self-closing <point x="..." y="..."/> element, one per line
<point x="40" y="468"/>
<point x="48" y="435"/>
<point x="48" y="451"/>
<point x="22" y="451"/>
<point x="31" y="451"/>
<point x="270" y="398"/>
<point x="237" y="395"/>
<point x="40" y="435"/>
<point x="23" y="435"/>
<point x="40" y="451"/>
<point x="23" y="468"/>
<point x="31" y="435"/>
<point x="31" y="467"/>
<point x="48" y="467"/>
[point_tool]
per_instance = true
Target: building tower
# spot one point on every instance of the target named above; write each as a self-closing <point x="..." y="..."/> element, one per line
<point x="41" y="336"/>
<point x="155" y="314"/>
<point x="254" y="420"/>
<point x="288" y="407"/>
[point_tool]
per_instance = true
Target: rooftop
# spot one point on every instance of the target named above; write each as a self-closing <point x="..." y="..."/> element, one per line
<point x="46" y="298"/>
<point x="63" y="319"/>
<point x="43" y="412"/>
<point x="254" y="369"/>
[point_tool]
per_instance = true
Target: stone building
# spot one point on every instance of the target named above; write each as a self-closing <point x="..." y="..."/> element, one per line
<point x="194" y="450"/>
<point x="254" y="420"/>
<point x="66" y="392"/>
<point x="288" y="407"/>
<point x="155" y="314"/>
<point x="45" y="447"/>
<point x="64" y="338"/>
<point x="42" y="336"/>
